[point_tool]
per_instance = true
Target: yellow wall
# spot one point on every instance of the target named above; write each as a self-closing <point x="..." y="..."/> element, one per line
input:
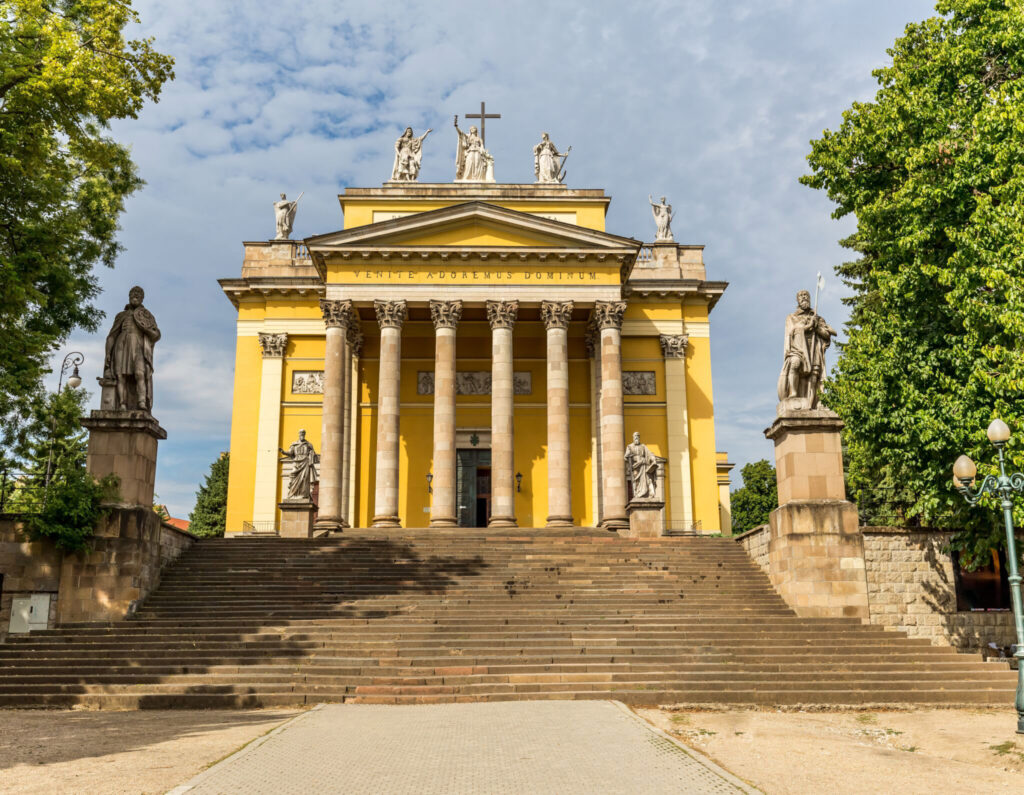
<point x="359" y="212"/>
<point x="244" y="414"/>
<point x="700" y="406"/>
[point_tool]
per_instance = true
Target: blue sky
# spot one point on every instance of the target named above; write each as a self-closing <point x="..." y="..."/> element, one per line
<point x="709" y="102"/>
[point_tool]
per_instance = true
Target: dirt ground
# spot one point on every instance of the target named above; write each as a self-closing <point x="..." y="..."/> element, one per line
<point x="912" y="751"/>
<point x="119" y="752"/>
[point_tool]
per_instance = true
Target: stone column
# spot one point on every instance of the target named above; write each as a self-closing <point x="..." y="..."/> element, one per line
<point x="609" y="322"/>
<point x="337" y="315"/>
<point x="673" y="347"/>
<point x="446" y="315"/>
<point x="390" y="315"/>
<point x="593" y="342"/>
<point x="354" y="338"/>
<point x="268" y="431"/>
<point x="502" y="316"/>
<point x="556" y="316"/>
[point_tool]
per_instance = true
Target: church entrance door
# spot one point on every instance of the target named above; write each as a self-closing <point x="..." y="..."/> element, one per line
<point x="473" y="487"/>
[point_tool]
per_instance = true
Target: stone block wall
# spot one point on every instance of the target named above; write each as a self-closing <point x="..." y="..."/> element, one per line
<point x="28" y="567"/>
<point x="755" y="542"/>
<point x="911" y="587"/>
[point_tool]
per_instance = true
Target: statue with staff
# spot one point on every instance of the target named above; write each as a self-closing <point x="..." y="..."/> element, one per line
<point x="547" y="167"/>
<point x="473" y="163"/>
<point x="806" y="339"/>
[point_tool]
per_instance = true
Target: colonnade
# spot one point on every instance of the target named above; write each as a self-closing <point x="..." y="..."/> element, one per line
<point x="338" y="410"/>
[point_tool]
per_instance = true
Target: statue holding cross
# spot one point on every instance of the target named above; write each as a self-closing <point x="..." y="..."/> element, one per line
<point x="473" y="163"/>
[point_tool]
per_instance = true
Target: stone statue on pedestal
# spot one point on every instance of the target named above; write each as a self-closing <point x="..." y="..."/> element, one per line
<point x="473" y="163"/>
<point x="408" y="154"/>
<point x="129" y="354"/>
<point x="642" y="469"/>
<point x="304" y="460"/>
<point x="663" y="218"/>
<point x="547" y="167"/>
<point x="284" y="216"/>
<point x="807" y="337"/>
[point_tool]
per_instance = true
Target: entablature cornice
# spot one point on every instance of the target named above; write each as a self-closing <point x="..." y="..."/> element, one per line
<point x="675" y="288"/>
<point x="238" y="290"/>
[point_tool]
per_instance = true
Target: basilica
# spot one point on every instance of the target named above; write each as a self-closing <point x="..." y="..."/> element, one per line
<point x="472" y="354"/>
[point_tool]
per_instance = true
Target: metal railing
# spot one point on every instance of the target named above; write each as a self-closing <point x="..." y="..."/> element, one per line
<point x="682" y="528"/>
<point x="259" y="528"/>
<point x="21" y="492"/>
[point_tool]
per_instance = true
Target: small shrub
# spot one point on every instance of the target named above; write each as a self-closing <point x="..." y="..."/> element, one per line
<point x="73" y="506"/>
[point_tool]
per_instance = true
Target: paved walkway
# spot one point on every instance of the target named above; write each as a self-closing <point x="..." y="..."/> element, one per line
<point x="514" y="747"/>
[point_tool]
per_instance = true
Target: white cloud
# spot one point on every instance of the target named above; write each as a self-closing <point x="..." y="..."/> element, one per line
<point x="710" y="103"/>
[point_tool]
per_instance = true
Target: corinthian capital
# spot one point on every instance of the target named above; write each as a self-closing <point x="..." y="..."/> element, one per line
<point x="337" y="314"/>
<point x="673" y="346"/>
<point x="502" y="314"/>
<point x="390" y="314"/>
<point x="272" y="345"/>
<point x="446" y="314"/>
<point x="608" y="314"/>
<point x="556" y="314"/>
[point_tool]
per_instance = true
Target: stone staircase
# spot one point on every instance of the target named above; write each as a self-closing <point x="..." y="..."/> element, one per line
<point x="428" y="616"/>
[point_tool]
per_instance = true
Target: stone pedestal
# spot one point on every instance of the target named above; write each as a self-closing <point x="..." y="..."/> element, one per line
<point x="815" y="548"/>
<point x="123" y="443"/>
<point x="296" y="518"/>
<point x="109" y="582"/>
<point x="646" y="519"/>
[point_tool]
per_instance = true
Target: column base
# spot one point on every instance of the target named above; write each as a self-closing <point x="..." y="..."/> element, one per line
<point x="615" y="524"/>
<point x="560" y="521"/>
<point x="385" y="521"/>
<point x="443" y="522"/>
<point x="329" y="524"/>
<point x="502" y="521"/>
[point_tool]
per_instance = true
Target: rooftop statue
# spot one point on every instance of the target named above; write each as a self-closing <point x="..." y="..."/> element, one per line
<point x="284" y="216"/>
<point x="473" y="163"/>
<point x="806" y="339"/>
<point x="408" y="154"/>
<point x="304" y="460"/>
<point x="547" y="167"/>
<point x="129" y="354"/>
<point x="663" y="218"/>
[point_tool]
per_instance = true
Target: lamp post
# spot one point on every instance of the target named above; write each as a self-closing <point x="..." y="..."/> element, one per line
<point x="72" y="360"/>
<point x="1002" y="487"/>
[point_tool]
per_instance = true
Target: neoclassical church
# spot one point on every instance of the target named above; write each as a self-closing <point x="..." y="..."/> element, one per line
<point x="473" y="354"/>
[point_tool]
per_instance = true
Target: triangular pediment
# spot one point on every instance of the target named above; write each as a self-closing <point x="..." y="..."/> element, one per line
<point x="473" y="225"/>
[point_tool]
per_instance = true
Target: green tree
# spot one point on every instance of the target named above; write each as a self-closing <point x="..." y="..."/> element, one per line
<point x="756" y="498"/>
<point x="209" y="517"/>
<point x="66" y="71"/>
<point x="933" y="170"/>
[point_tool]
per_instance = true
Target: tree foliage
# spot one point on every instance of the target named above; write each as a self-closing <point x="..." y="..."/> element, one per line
<point x="66" y="71"/>
<point x="75" y="503"/>
<point x="209" y="518"/>
<point x="756" y="498"/>
<point x="933" y="170"/>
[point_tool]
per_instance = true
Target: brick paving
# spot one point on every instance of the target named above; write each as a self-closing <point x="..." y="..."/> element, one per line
<point x="513" y="747"/>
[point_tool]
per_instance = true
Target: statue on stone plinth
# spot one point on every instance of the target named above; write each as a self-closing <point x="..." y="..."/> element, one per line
<point x="408" y="154"/>
<point x="304" y="460"/>
<point x="806" y="339"/>
<point x="473" y="163"/>
<point x="284" y="215"/>
<point x="642" y="469"/>
<point x="547" y="167"/>
<point x="129" y="354"/>
<point x="663" y="218"/>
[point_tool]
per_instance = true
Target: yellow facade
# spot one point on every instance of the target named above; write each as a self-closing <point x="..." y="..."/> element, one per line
<point x="473" y="244"/>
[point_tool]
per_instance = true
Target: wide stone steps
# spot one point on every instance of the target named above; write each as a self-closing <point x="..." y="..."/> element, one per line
<point x="428" y="617"/>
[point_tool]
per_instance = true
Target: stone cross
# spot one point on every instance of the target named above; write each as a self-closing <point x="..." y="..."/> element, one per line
<point x="483" y="115"/>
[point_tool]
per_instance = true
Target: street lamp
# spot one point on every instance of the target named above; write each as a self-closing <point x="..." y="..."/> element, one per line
<point x="1002" y="487"/>
<point x="72" y="360"/>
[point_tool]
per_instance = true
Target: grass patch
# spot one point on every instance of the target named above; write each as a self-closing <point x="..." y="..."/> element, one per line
<point x="867" y="717"/>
